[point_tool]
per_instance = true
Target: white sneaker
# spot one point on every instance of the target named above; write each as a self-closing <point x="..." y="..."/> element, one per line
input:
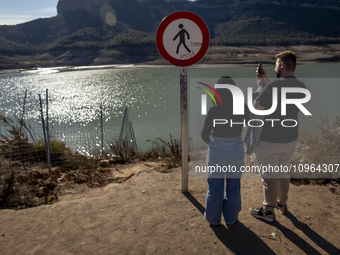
<point x="261" y="213"/>
<point x="282" y="208"/>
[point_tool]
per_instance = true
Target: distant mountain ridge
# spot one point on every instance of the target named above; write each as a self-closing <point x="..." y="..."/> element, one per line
<point x="116" y="25"/>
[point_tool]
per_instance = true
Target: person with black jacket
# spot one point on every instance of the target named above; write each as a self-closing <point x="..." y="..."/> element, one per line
<point x="225" y="158"/>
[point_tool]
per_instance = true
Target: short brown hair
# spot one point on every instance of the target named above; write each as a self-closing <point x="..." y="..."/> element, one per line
<point x="288" y="58"/>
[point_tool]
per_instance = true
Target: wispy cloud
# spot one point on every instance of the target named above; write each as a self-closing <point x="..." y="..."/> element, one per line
<point x="13" y="18"/>
<point x="50" y="10"/>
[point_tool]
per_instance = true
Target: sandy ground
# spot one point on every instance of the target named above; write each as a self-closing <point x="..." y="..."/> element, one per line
<point x="304" y="53"/>
<point x="148" y="214"/>
<point x="214" y="55"/>
<point x="252" y="54"/>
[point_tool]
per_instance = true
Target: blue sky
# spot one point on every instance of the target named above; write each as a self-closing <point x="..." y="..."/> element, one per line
<point x="19" y="11"/>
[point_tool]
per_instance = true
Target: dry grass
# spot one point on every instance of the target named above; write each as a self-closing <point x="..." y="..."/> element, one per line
<point x="321" y="147"/>
<point x="168" y="151"/>
<point x="126" y="151"/>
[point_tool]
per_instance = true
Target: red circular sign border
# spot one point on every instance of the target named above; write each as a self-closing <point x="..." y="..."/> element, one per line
<point x="183" y="15"/>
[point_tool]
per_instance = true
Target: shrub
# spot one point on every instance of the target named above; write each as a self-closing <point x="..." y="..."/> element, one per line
<point x="126" y="150"/>
<point x="58" y="152"/>
<point x="319" y="146"/>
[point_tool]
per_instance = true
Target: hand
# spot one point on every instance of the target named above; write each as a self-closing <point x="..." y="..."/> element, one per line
<point x="262" y="78"/>
<point x="263" y="73"/>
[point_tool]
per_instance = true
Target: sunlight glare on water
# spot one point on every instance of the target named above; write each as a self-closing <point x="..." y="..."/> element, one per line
<point x="75" y="97"/>
<point x="152" y="95"/>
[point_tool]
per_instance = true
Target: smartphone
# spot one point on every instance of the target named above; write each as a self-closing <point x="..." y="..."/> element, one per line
<point x="260" y="66"/>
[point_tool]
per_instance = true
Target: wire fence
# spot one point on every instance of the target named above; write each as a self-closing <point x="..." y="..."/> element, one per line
<point x="40" y="128"/>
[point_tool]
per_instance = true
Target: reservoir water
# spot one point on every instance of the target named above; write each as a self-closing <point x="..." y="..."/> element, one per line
<point x="151" y="93"/>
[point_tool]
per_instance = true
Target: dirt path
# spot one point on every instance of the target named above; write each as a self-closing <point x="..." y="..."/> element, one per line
<point x="149" y="215"/>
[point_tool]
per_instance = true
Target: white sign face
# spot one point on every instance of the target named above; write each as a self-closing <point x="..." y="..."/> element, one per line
<point x="182" y="39"/>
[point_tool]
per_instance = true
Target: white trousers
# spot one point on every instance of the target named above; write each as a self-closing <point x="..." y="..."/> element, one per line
<point x="275" y="158"/>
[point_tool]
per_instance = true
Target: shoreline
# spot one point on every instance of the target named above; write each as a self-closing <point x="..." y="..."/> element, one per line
<point x="55" y="69"/>
<point x="216" y="55"/>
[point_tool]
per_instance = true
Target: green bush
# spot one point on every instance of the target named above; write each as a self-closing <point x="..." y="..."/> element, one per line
<point x="58" y="151"/>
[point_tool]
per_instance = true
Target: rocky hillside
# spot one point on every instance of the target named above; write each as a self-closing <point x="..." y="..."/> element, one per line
<point x="127" y="28"/>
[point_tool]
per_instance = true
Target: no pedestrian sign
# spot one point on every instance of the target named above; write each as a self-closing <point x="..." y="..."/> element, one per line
<point x="182" y="38"/>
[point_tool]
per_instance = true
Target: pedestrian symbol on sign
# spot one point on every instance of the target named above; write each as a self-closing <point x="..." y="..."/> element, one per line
<point x="181" y="35"/>
<point x="182" y="38"/>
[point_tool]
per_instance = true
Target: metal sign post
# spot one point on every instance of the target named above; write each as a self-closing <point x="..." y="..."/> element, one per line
<point x="183" y="39"/>
<point x="48" y="135"/>
<point x="184" y="125"/>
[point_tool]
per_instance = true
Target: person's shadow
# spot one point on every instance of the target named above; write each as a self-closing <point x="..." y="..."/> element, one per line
<point x="239" y="239"/>
<point x="312" y="235"/>
<point x="300" y="242"/>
